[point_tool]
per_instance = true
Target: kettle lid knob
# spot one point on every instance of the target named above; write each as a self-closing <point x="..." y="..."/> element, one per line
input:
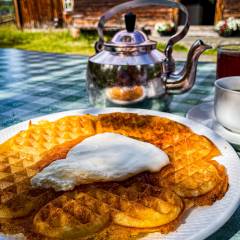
<point x="130" y="20"/>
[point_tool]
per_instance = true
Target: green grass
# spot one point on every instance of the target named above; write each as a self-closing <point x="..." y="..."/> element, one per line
<point x="59" y="41"/>
<point x="178" y="47"/>
<point x="212" y="51"/>
<point x="46" y="41"/>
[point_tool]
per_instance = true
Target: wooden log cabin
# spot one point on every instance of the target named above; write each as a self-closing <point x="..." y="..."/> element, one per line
<point x="85" y="13"/>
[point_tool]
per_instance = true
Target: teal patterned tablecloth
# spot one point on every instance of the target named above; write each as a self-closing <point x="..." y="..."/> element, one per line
<point x="35" y="83"/>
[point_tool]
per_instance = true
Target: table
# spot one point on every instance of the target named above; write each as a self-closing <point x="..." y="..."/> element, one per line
<point x="35" y="83"/>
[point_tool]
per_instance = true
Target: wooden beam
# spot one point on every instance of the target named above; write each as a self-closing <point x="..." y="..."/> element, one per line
<point x="17" y="9"/>
<point x="176" y="14"/>
<point x="219" y="10"/>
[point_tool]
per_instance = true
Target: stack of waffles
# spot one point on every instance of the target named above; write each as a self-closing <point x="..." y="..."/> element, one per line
<point x="148" y="202"/>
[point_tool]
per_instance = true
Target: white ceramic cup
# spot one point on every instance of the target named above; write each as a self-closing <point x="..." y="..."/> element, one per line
<point x="227" y="102"/>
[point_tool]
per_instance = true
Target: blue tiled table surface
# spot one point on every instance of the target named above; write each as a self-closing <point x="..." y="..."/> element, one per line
<point x="35" y="83"/>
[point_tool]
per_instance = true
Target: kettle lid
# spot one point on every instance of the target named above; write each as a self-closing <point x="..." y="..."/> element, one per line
<point x="130" y="39"/>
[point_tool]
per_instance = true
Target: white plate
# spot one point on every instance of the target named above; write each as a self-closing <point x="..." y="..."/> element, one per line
<point x="204" y="113"/>
<point x="202" y="221"/>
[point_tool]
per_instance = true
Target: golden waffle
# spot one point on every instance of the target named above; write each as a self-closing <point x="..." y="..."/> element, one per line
<point x="192" y="174"/>
<point x="191" y="181"/>
<point x="128" y="124"/>
<point x="190" y="150"/>
<point x="42" y="138"/>
<point x="85" y="212"/>
<point x="24" y="154"/>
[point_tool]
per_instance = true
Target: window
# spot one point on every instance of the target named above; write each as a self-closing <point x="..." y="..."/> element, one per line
<point x="68" y="5"/>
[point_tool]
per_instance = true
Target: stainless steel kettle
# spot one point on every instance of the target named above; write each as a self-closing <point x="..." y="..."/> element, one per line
<point x="129" y="69"/>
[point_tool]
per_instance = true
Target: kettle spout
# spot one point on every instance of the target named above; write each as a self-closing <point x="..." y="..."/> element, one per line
<point x="182" y="81"/>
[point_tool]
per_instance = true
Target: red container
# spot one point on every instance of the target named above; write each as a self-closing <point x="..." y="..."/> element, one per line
<point x="228" y="61"/>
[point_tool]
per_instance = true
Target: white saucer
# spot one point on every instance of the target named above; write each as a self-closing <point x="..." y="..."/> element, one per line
<point x="204" y="113"/>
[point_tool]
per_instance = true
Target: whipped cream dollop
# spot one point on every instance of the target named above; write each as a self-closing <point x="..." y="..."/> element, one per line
<point x="101" y="158"/>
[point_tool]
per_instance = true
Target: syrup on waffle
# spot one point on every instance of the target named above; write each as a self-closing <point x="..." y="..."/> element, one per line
<point x="161" y="132"/>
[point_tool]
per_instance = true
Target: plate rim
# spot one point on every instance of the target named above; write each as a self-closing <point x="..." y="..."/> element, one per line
<point x="195" y="126"/>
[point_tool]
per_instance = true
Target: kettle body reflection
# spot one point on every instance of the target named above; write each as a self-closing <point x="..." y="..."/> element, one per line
<point x="130" y="70"/>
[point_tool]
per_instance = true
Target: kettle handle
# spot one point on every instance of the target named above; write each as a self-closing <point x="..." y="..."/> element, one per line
<point x="142" y="3"/>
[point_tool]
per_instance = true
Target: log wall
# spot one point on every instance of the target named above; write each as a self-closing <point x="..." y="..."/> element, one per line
<point x="226" y="9"/>
<point x="86" y="13"/>
<point x="37" y="13"/>
<point x="41" y="13"/>
<point x="89" y="14"/>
